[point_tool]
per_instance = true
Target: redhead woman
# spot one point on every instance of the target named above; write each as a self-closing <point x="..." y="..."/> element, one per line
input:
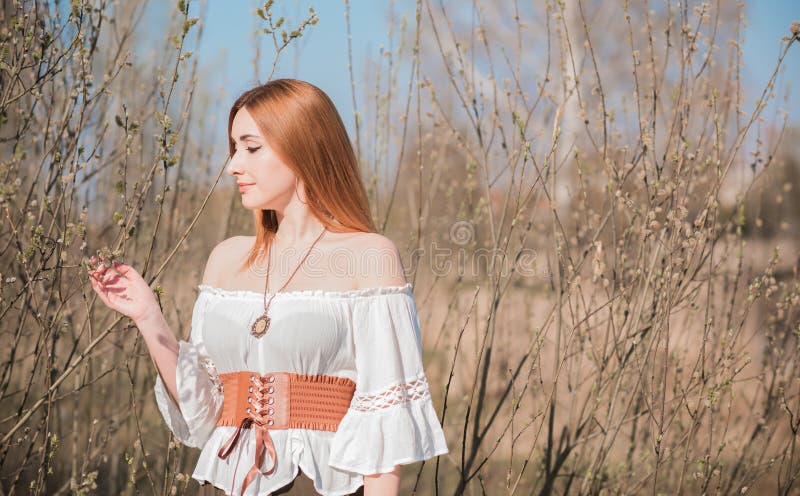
<point x="304" y="352"/>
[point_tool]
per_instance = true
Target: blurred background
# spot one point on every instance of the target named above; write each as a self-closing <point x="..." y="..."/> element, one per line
<point x="596" y="202"/>
<point x="321" y="56"/>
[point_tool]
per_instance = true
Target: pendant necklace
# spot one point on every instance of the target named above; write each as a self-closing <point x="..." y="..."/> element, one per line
<point x="261" y="324"/>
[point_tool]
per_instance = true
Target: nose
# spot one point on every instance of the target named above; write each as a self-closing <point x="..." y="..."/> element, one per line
<point x="234" y="165"/>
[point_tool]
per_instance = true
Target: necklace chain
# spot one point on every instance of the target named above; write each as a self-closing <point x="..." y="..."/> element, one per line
<point x="261" y="324"/>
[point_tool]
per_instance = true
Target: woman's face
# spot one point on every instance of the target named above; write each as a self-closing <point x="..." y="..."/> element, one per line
<point x="264" y="180"/>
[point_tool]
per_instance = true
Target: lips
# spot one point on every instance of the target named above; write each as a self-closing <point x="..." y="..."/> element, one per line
<point x="243" y="186"/>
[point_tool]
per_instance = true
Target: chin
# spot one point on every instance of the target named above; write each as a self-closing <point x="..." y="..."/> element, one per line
<point x="249" y="205"/>
<point x="252" y="205"/>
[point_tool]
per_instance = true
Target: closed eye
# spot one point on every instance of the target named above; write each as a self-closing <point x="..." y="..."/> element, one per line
<point x="250" y="149"/>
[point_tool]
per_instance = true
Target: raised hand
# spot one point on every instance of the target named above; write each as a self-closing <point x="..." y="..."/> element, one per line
<point x="121" y="288"/>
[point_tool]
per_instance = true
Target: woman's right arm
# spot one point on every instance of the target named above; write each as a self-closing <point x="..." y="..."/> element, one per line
<point x="121" y="288"/>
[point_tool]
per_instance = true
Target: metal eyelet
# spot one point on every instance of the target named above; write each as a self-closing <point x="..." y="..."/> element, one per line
<point x="270" y="422"/>
<point x="248" y="399"/>
<point x="271" y="378"/>
<point x="252" y="377"/>
<point x="247" y="410"/>
<point x="271" y="400"/>
<point x="270" y="411"/>
<point x="250" y="389"/>
<point x="270" y="389"/>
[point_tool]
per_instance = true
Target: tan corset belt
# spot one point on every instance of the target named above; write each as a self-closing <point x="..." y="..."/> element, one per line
<point x="279" y="400"/>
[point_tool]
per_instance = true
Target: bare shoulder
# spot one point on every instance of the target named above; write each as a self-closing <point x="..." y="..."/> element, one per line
<point x="377" y="260"/>
<point x="225" y="259"/>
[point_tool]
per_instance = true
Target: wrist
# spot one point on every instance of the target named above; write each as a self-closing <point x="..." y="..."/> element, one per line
<point x="150" y="321"/>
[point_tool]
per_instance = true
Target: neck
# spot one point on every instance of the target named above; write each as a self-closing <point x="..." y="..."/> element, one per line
<point x="297" y="226"/>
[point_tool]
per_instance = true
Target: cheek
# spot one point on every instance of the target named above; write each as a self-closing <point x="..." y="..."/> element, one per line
<point x="273" y="176"/>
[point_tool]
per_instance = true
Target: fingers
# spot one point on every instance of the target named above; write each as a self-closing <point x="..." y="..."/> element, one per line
<point x="122" y="268"/>
<point x="95" y="263"/>
<point x="107" y="279"/>
<point x="102" y="269"/>
<point x="98" y="279"/>
<point x="99" y="289"/>
<point x="101" y="274"/>
<point x="118" y="267"/>
<point x="97" y="284"/>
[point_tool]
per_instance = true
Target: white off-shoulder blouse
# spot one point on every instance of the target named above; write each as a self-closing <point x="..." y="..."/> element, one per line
<point x="371" y="336"/>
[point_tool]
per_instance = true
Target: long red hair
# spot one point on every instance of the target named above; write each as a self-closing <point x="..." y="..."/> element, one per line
<point x="300" y="122"/>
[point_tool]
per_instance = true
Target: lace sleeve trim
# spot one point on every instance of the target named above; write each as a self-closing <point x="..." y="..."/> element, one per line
<point x="211" y="370"/>
<point x="204" y="359"/>
<point x="404" y="392"/>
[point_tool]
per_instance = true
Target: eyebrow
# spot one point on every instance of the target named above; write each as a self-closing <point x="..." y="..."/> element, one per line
<point x="245" y="136"/>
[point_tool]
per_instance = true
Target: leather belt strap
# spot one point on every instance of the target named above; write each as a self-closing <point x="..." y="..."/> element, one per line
<point x="279" y="400"/>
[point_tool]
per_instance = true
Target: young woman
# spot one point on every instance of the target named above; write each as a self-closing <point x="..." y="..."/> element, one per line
<point x="304" y="350"/>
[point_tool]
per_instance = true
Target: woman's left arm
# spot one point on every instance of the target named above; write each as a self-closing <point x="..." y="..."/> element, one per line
<point x="391" y="419"/>
<point x="387" y="484"/>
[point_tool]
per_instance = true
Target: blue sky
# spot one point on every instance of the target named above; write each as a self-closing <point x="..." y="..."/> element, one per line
<point x="322" y="51"/>
<point x="768" y="21"/>
<point x="227" y="47"/>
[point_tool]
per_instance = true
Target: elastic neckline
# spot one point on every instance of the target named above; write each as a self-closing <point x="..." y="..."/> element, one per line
<point x="307" y="293"/>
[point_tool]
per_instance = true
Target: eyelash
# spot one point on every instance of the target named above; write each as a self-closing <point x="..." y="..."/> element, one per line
<point x="252" y="150"/>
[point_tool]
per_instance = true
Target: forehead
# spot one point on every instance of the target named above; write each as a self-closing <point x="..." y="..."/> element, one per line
<point x="243" y="123"/>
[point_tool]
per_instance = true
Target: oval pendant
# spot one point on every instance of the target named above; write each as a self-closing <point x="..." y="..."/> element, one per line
<point x="260" y="326"/>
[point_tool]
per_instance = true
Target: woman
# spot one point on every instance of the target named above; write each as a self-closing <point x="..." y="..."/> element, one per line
<point x="323" y="373"/>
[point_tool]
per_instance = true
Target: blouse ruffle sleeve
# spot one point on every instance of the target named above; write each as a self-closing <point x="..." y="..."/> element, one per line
<point x="391" y="419"/>
<point x="198" y="384"/>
